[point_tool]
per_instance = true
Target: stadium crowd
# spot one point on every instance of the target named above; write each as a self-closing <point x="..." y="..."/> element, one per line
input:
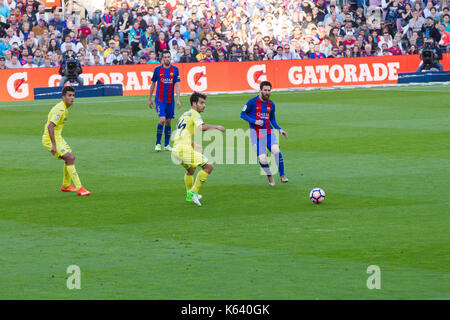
<point x="136" y="32"/>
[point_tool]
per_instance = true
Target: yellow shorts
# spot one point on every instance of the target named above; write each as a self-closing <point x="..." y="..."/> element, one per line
<point x="61" y="146"/>
<point x="188" y="157"/>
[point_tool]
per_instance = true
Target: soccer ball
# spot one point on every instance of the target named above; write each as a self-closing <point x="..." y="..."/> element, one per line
<point x="317" y="195"/>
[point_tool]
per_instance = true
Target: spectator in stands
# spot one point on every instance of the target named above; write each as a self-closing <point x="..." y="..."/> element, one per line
<point x="429" y="30"/>
<point x="85" y="61"/>
<point x="221" y="57"/>
<point x="3" y="63"/>
<point x="416" y="22"/>
<point x="279" y="55"/>
<point x="8" y="55"/>
<point x="386" y="39"/>
<point x="334" y="52"/>
<point x="4" y="10"/>
<point x="68" y="45"/>
<point x="39" y="28"/>
<point x="14" y="63"/>
<point x="174" y="48"/>
<point x="126" y="58"/>
<point x="31" y="18"/>
<point x="202" y="53"/>
<point x="209" y="56"/>
<point x="413" y="50"/>
<point x="445" y="39"/>
<point x="177" y="37"/>
<point x="161" y="44"/>
<point x="289" y="54"/>
<point x="326" y="47"/>
<point x="114" y="57"/>
<point x="111" y="45"/>
<point x="317" y="54"/>
<point x="446" y="21"/>
<point x="53" y="45"/>
<point x="108" y="24"/>
<point x="38" y="57"/>
<point x="55" y="60"/>
<point x="238" y="56"/>
<point x="83" y="29"/>
<point x="95" y="34"/>
<point x="153" y="59"/>
<point x="124" y="26"/>
<point x="56" y="21"/>
<point x="187" y="57"/>
<point x="394" y="49"/>
<point x="367" y="50"/>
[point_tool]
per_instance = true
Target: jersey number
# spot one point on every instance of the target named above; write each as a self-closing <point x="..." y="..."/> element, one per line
<point x="181" y="125"/>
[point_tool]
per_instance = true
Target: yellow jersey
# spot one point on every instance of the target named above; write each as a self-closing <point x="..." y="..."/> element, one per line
<point x="186" y="126"/>
<point x="107" y="52"/>
<point x="58" y="115"/>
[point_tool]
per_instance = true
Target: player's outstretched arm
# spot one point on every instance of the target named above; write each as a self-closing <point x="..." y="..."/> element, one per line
<point x="274" y="123"/>
<point x="51" y="133"/>
<point x="150" y="100"/>
<point x="177" y="89"/>
<point x="283" y="133"/>
<point x="206" y="127"/>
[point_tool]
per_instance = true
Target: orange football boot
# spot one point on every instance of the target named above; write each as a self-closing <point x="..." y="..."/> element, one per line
<point x="70" y="188"/>
<point x="83" y="192"/>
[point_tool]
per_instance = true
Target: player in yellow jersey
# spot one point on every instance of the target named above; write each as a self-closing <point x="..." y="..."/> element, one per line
<point x="54" y="142"/>
<point x="183" y="148"/>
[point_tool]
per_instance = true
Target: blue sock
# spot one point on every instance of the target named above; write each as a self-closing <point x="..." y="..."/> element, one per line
<point x="280" y="163"/>
<point x="167" y="132"/>
<point x="159" y="131"/>
<point x="266" y="168"/>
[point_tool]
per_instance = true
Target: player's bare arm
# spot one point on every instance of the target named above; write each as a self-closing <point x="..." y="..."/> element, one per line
<point x="51" y="133"/>
<point x="283" y="133"/>
<point x="177" y="89"/>
<point x="150" y="100"/>
<point x="206" y="127"/>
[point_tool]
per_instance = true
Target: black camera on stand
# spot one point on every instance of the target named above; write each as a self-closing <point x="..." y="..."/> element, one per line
<point x="70" y="69"/>
<point x="430" y="56"/>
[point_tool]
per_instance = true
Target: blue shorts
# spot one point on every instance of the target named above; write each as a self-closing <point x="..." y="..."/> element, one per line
<point x="166" y="110"/>
<point x="264" y="142"/>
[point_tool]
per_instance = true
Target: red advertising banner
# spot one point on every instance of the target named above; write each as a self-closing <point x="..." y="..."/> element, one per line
<point x="51" y="3"/>
<point x="18" y="84"/>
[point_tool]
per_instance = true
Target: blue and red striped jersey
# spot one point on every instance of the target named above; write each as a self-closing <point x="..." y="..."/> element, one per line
<point x="258" y="109"/>
<point x="165" y="79"/>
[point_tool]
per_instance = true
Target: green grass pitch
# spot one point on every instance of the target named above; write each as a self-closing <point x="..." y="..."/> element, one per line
<point x="380" y="154"/>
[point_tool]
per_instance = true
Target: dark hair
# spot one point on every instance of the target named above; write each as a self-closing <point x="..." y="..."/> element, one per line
<point x="264" y="84"/>
<point x="196" y="96"/>
<point x="164" y="52"/>
<point x="67" y="89"/>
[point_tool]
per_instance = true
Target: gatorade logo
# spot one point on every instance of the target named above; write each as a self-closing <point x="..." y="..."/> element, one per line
<point x="255" y="75"/>
<point x="197" y="78"/>
<point x="17" y="86"/>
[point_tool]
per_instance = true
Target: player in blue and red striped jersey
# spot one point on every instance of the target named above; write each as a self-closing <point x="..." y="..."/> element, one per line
<point x="259" y="112"/>
<point x="167" y="78"/>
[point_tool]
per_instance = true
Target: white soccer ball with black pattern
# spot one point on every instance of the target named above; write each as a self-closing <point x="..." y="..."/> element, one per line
<point x="317" y="195"/>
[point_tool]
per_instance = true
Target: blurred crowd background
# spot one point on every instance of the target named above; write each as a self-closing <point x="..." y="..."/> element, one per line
<point x="136" y="32"/>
